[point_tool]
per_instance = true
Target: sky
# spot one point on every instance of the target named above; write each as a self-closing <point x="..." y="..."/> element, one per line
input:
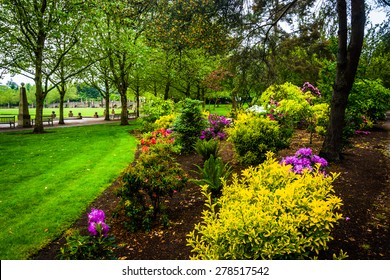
<point x="376" y="17"/>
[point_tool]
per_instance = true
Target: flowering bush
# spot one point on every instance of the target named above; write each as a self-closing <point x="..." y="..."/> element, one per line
<point x="158" y="139"/>
<point x="305" y="160"/>
<point x="309" y="87"/>
<point x="97" y="245"/>
<point x="217" y="124"/>
<point x="267" y="213"/>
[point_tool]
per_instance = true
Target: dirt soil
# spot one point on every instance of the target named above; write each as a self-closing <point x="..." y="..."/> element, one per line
<point x="363" y="185"/>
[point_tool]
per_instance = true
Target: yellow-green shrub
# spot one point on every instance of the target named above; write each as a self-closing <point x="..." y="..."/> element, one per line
<point x="268" y="213"/>
<point x="253" y="135"/>
<point x="165" y="121"/>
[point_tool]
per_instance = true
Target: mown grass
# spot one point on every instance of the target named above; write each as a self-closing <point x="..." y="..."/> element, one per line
<point x="48" y="180"/>
<point x="85" y="112"/>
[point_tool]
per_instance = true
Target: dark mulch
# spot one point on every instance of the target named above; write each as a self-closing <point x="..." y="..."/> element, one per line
<point x="364" y="186"/>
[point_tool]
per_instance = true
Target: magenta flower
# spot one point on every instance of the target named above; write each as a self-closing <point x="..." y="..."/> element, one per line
<point x="96" y="216"/>
<point x="97" y="229"/>
<point x="304" y="160"/>
<point x="97" y="225"/>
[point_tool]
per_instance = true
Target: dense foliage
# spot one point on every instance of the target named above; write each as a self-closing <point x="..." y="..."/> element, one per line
<point x="189" y="124"/>
<point x="253" y="135"/>
<point x="268" y="212"/>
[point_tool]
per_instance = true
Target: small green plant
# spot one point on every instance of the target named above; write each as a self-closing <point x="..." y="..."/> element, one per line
<point x="207" y="148"/>
<point x="214" y="172"/>
<point x="96" y="246"/>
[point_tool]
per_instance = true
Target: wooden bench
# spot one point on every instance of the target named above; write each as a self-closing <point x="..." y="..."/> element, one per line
<point x="8" y="120"/>
<point x="47" y="119"/>
<point x="115" y="116"/>
<point x="132" y="115"/>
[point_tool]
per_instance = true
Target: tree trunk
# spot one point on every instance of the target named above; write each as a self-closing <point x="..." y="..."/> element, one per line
<point x="62" y="97"/>
<point x="137" y="94"/>
<point x="40" y="98"/>
<point x="106" y="97"/>
<point x="347" y="64"/>
<point x="38" y="128"/>
<point x="124" y="115"/>
<point x="167" y="88"/>
<point x="107" y="110"/>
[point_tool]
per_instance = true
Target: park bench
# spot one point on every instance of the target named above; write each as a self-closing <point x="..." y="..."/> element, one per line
<point x="132" y="115"/>
<point x="47" y="119"/>
<point x="8" y="120"/>
<point x="115" y="116"/>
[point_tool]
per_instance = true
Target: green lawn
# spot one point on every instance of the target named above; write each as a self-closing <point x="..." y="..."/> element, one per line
<point x="48" y="180"/>
<point x="85" y="112"/>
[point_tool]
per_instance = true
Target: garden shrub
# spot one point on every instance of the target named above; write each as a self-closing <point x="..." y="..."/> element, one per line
<point x="166" y="121"/>
<point x="268" y="213"/>
<point x="154" y="176"/>
<point x="160" y="140"/>
<point x="189" y="124"/>
<point x="369" y="99"/>
<point x="216" y="127"/>
<point x="254" y="135"/>
<point x="153" y="110"/>
<point x="321" y="118"/>
<point x="292" y="106"/>
<point x="206" y="148"/>
<point x="213" y="173"/>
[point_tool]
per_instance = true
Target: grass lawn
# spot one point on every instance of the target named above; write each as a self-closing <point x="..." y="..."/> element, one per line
<point x="48" y="180"/>
<point x="85" y="112"/>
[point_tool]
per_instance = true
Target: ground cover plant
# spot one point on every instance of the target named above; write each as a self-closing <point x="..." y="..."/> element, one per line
<point x="49" y="179"/>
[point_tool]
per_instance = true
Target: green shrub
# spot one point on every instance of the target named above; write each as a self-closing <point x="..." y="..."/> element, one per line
<point x="254" y="135"/>
<point x="155" y="175"/>
<point x="206" y="148"/>
<point x="213" y="173"/>
<point x="369" y="99"/>
<point x="321" y="118"/>
<point x="268" y="213"/>
<point x="189" y="124"/>
<point x="155" y="109"/>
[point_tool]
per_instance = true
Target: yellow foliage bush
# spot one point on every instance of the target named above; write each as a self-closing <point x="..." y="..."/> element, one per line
<point x="268" y="213"/>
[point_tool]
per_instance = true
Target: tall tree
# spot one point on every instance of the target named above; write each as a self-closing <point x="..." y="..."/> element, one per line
<point x="27" y="30"/>
<point x="349" y="49"/>
<point x="121" y="24"/>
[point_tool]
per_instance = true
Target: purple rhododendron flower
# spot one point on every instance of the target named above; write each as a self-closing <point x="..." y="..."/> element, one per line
<point x="96" y="216"/>
<point x="98" y="228"/>
<point x="304" y="152"/>
<point x="304" y="160"/>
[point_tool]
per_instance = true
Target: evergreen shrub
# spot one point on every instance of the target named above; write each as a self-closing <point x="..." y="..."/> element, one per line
<point x="253" y="135"/>
<point x="268" y="213"/>
<point x="189" y="125"/>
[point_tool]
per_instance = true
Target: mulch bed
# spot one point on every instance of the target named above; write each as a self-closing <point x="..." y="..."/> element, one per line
<point x="364" y="187"/>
